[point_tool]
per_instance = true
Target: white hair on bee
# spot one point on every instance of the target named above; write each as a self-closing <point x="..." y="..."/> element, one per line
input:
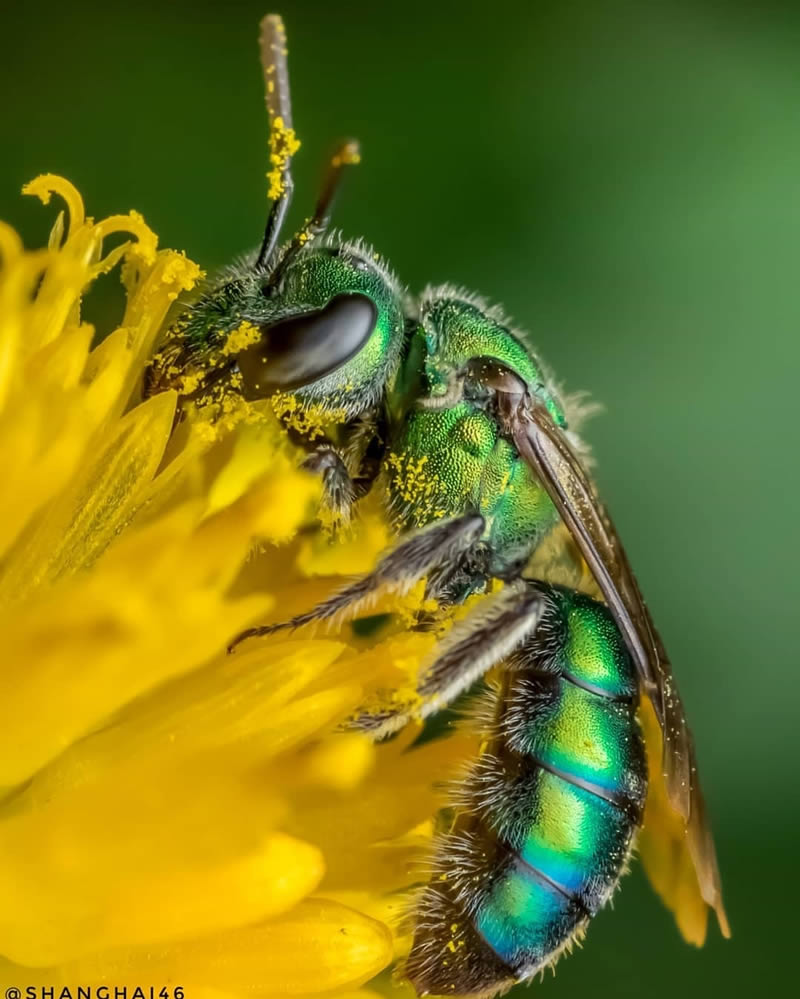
<point x="577" y="406"/>
<point x="460" y="862"/>
<point x="432" y="294"/>
<point x="484" y="646"/>
<point x="481" y="715"/>
<point x="527" y="696"/>
<point x="359" y="251"/>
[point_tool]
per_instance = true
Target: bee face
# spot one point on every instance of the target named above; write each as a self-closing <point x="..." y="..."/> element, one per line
<point x="325" y="324"/>
<point x="334" y="332"/>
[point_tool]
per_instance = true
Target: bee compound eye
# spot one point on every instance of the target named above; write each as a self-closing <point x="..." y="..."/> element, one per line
<point x="304" y="348"/>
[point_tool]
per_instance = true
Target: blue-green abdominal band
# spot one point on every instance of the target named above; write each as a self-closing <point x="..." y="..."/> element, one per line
<point x="573" y="835"/>
<point x="573" y="745"/>
<point x="550" y="808"/>
<point x="580" y="734"/>
<point x="524" y="916"/>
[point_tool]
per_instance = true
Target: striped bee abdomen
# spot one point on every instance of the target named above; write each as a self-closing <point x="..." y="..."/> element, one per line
<point x="545" y="819"/>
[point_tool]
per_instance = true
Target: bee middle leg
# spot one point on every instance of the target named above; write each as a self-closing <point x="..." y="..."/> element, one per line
<point x="440" y="543"/>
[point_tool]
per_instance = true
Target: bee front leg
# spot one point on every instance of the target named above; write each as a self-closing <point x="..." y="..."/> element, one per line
<point x="339" y="488"/>
<point x="349" y="469"/>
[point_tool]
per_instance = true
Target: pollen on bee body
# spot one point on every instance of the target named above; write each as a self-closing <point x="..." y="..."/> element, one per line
<point x="418" y="485"/>
<point x="191" y="382"/>
<point x="348" y="155"/>
<point x="243" y="336"/>
<point x="283" y="145"/>
<point x="309" y="419"/>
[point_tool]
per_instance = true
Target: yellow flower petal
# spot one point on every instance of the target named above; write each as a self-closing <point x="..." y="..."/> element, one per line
<point x="318" y="946"/>
<point x="342" y="763"/>
<point x="10" y="244"/>
<point x="166" y="809"/>
<point x="229" y="701"/>
<point x="99" y="503"/>
<point x="663" y="844"/>
<point x="141" y="904"/>
<point x="355" y="550"/>
<point x="147" y="241"/>
<point x="307" y="717"/>
<point x="367" y="849"/>
<point x="87" y="652"/>
<point x="48" y="184"/>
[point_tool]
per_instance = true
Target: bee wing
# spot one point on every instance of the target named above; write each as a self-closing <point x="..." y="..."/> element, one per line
<point x="544" y="446"/>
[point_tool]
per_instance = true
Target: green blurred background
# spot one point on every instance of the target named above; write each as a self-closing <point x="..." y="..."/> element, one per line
<point x="624" y="177"/>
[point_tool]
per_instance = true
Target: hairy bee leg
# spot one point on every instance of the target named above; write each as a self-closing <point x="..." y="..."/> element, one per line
<point x="497" y="627"/>
<point x="443" y="541"/>
<point x="339" y="489"/>
<point x="364" y="449"/>
<point x="348" y="472"/>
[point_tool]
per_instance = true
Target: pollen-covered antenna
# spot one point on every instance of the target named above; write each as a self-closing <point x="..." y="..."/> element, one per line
<point x="283" y="143"/>
<point x="348" y="153"/>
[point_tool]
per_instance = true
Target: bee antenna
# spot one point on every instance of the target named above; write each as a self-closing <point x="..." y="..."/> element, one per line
<point x="348" y="153"/>
<point x="283" y="143"/>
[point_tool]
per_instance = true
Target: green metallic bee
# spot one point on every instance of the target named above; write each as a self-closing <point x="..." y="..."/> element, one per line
<point x="442" y="402"/>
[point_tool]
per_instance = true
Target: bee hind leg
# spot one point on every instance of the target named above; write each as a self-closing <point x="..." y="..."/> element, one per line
<point x="498" y="626"/>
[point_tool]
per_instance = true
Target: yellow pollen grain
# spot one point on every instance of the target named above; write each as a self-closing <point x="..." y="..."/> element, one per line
<point x="245" y="335"/>
<point x="283" y="144"/>
<point x="418" y="486"/>
<point x="348" y="155"/>
<point x="311" y="420"/>
<point x="191" y="383"/>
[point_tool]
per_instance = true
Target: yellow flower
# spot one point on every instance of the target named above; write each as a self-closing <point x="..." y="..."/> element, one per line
<point x="169" y="814"/>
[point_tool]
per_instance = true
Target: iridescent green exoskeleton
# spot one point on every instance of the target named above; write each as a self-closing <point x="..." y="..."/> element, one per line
<point x="440" y="403"/>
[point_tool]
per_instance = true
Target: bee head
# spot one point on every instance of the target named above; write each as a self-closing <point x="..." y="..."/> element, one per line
<point x="330" y="323"/>
<point x="316" y="317"/>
